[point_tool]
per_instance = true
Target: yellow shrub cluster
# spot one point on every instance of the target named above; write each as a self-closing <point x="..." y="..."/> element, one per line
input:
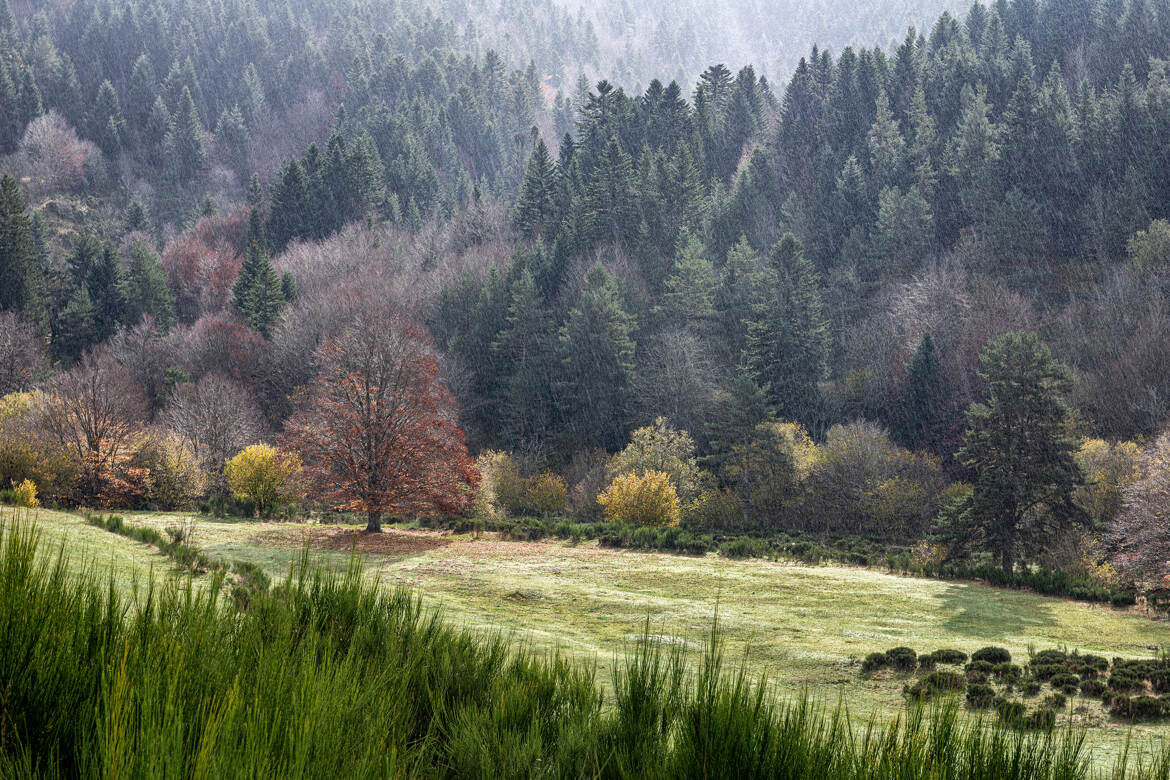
<point x="24" y="494"/>
<point x="264" y="477"/>
<point x="648" y="499"/>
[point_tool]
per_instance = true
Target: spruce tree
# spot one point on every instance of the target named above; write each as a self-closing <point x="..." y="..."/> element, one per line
<point x="232" y="137"/>
<point x="1020" y="451"/>
<point x="925" y="413"/>
<point x="186" y="142"/>
<point x="18" y="268"/>
<point x="259" y="296"/>
<point x="107" y="124"/>
<point x="290" y="205"/>
<point x="536" y="202"/>
<point x="526" y="351"/>
<point x="145" y="289"/>
<point x="597" y="348"/>
<point x="106" y="291"/>
<point x="740" y="293"/>
<point x="691" y="289"/>
<point x="788" y="337"/>
<point x="73" y="327"/>
<point x="31" y="103"/>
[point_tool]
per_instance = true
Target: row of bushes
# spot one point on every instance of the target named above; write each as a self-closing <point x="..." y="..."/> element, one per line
<point x="1131" y="689"/>
<point x="178" y="545"/>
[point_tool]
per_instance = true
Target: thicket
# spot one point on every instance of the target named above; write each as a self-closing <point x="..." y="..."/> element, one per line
<point x="325" y="674"/>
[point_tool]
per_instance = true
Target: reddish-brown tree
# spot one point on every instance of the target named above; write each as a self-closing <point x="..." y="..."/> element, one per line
<point x="377" y="431"/>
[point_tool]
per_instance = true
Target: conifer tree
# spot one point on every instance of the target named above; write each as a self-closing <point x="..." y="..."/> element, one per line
<point x="106" y="291"/>
<point x="21" y="288"/>
<point x="145" y="289"/>
<point x="536" y="203"/>
<point x="232" y="136"/>
<point x="1019" y="448"/>
<point x="186" y="142"/>
<point x="740" y="293"/>
<point x="925" y="413"/>
<point x="290" y="205"/>
<point x="526" y="350"/>
<point x="597" y="349"/>
<point x="107" y="124"/>
<point x="259" y="296"/>
<point x="887" y="148"/>
<point x="691" y="288"/>
<point x="31" y="103"/>
<point x="73" y="328"/>
<point x="610" y="203"/>
<point x="788" y="337"/>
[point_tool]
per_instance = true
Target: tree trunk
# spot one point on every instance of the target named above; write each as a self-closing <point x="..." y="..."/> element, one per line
<point x="1007" y="559"/>
<point x="374" y="521"/>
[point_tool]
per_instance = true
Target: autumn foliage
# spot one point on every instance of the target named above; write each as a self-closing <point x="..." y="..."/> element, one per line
<point x="648" y="498"/>
<point x="376" y="431"/>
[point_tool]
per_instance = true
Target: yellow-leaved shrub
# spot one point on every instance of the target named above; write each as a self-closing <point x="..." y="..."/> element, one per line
<point x="648" y="499"/>
<point x="264" y="477"/>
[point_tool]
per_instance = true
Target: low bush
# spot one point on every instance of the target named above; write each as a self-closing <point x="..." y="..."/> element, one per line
<point x="1123" y="682"/>
<point x="1137" y="707"/>
<point x="874" y="662"/>
<point x="745" y="547"/>
<point x="1055" y="701"/>
<point x="980" y="667"/>
<point x="1010" y="712"/>
<point x="950" y="656"/>
<point x="992" y="655"/>
<point x="1007" y="673"/>
<point x="980" y="696"/>
<point x="647" y="499"/>
<point x="1042" y="719"/>
<point x="1031" y="688"/>
<point x="1092" y="688"/>
<point x="927" y="662"/>
<point x="936" y="683"/>
<point x="902" y="659"/>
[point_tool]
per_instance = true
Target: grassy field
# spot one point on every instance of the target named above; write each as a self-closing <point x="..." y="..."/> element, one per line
<point x="804" y="627"/>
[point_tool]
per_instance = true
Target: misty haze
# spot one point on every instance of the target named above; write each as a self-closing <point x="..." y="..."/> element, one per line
<point x="477" y="389"/>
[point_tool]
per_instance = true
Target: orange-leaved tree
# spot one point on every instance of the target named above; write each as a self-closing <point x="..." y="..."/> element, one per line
<point x="377" y="432"/>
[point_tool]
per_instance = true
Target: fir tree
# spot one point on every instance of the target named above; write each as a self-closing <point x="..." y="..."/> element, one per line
<point x="597" y="346"/>
<point x="106" y="290"/>
<point x="925" y="413"/>
<point x="526" y="350"/>
<point x="535" y="205"/>
<point x="186" y="142"/>
<point x="290" y="205"/>
<point x="689" y="300"/>
<point x="788" y="338"/>
<point x="18" y="268"/>
<point x="1019" y="448"/>
<point x="145" y="289"/>
<point x="107" y="124"/>
<point x="259" y="296"/>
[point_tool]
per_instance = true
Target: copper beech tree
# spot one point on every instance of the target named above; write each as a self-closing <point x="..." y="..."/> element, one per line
<point x="377" y="432"/>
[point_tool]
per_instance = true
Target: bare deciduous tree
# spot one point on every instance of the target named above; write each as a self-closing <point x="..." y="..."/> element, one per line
<point x="217" y="417"/>
<point x="22" y="353"/>
<point x="95" y="410"/>
<point x="1140" y="536"/>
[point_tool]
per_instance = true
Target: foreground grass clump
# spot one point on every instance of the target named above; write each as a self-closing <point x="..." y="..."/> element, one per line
<point x="329" y="676"/>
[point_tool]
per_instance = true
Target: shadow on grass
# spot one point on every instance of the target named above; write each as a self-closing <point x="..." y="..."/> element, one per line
<point x="981" y="611"/>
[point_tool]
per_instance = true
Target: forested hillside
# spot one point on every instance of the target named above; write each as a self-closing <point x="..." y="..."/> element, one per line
<point x="857" y="298"/>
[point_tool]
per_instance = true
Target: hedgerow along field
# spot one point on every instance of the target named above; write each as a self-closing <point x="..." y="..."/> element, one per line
<point x="803" y="628"/>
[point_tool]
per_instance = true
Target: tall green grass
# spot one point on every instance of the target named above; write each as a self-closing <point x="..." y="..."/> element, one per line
<point x="329" y="676"/>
